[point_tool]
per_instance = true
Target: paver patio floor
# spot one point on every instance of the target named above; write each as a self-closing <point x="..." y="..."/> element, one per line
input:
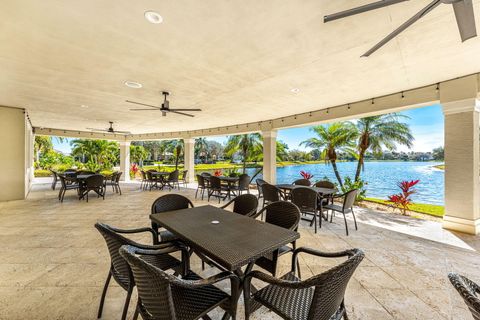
<point x="53" y="262"/>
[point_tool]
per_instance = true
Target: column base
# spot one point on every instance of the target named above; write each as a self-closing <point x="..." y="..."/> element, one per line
<point x="461" y="225"/>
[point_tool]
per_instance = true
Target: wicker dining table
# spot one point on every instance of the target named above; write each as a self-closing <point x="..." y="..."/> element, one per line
<point x="160" y="177"/>
<point x="232" y="243"/>
<point x="230" y="183"/>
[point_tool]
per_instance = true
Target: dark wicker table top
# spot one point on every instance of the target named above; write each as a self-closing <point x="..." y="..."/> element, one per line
<point x="318" y="190"/>
<point x="234" y="242"/>
<point x="223" y="178"/>
<point x="159" y="173"/>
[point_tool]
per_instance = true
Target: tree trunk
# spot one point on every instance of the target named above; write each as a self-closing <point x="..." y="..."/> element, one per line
<point x="245" y="153"/>
<point x="337" y="174"/>
<point x="361" y="157"/>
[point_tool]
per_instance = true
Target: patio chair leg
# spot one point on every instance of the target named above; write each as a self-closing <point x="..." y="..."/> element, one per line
<point x="354" y="219"/>
<point x="203" y="193"/>
<point x="331" y="216"/>
<point x="346" y="226"/>
<point x="104" y="293"/>
<point x="127" y="302"/>
<point x="120" y="190"/>
<point x="196" y="194"/>
<point x="315" y="221"/>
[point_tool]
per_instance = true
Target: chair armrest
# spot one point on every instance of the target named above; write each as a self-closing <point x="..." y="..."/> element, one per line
<point x="138" y="230"/>
<point x="209" y="281"/>
<point x="229" y="203"/>
<point x="345" y="253"/>
<point x="275" y="281"/>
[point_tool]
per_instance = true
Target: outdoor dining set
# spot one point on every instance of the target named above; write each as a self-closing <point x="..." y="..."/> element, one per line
<point x="153" y="179"/>
<point x="169" y="288"/>
<point x="83" y="182"/>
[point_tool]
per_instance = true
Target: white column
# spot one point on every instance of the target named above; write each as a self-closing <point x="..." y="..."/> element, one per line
<point x="189" y="158"/>
<point x="462" y="161"/>
<point x="125" y="160"/>
<point x="270" y="156"/>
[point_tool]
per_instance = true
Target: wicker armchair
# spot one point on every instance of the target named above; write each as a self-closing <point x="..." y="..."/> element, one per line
<point x="245" y="204"/>
<point x="202" y="185"/>
<point x="347" y="207"/>
<point x="216" y="189"/>
<point x="260" y="182"/>
<point x="184" y="178"/>
<point x="320" y="297"/>
<point x="95" y="183"/>
<point x="302" y="182"/>
<point x="55" y="179"/>
<point x="65" y="186"/>
<point x="283" y="214"/>
<point x="115" y="182"/>
<point x="162" y="296"/>
<point x="307" y="201"/>
<point x="119" y="269"/>
<point x="172" y="180"/>
<point x="270" y="193"/>
<point x="168" y="202"/>
<point x="325" y="184"/>
<point x="468" y="290"/>
<point x="243" y="184"/>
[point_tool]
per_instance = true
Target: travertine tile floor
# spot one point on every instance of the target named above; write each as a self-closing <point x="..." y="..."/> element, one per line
<point x="53" y="262"/>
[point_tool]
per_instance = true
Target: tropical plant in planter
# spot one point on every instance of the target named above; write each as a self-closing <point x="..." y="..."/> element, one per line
<point x="306" y="175"/>
<point x="133" y="170"/>
<point x="402" y="200"/>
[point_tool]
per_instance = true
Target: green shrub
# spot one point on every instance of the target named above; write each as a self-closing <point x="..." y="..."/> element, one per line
<point x="349" y="184"/>
<point x="38" y="173"/>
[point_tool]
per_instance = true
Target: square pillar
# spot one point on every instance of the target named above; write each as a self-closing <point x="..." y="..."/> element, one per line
<point x="462" y="161"/>
<point x="270" y="156"/>
<point x="189" y="159"/>
<point x="125" y="160"/>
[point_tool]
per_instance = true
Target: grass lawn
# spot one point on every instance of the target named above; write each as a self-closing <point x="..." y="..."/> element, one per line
<point x="430" y="209"/>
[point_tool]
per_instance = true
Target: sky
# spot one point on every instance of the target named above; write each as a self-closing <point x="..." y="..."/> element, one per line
<point x="425" y="123"/>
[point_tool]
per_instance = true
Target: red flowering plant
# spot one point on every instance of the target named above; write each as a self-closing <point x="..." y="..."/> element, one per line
<point x="402" y="200"/>
<point x="133" y="170"/>
<point x="306" y="175"/>
<point x="217" y="173"/>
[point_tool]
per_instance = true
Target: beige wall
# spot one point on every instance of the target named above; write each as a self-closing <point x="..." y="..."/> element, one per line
<point x="14" y="181"/>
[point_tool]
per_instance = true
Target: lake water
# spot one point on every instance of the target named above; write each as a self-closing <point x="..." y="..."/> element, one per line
<point x="381" y="177"/>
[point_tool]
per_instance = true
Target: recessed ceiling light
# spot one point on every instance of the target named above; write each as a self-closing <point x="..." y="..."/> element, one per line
<point x="295" y="90"/>
<point x="84" y="106"/>
<point x="133" y="84"/>
<point x="153" y="17"/>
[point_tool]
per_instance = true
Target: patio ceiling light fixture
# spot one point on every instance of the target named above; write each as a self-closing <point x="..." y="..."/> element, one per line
<point x="133" y="84"/>
<point x="295" y="90"/>
<point x="153" y="17"/>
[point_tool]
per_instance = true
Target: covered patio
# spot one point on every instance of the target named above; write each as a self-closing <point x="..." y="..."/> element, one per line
<point x="255" y="66"/>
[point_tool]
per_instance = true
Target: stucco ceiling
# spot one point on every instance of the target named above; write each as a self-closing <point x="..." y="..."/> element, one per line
<point x="237" y="60"/>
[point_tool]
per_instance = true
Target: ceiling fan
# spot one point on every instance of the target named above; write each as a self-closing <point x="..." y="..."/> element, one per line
<point x="110" y="129"/>
<point x="165" y="108"/>
<point x="463" y="10"/>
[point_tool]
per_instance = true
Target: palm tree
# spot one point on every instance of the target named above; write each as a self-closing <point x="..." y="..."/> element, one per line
<point x="376" y="132"/>
<point x="42" y="145"/>
<point x="103" y="152"/>
<point x="333" y="138"/>
<point x="201" y="146"/>
<point x="176" y="147"/>
<point x="246" y="144"/>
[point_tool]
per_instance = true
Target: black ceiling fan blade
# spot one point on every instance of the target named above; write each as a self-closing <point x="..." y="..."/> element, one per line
<point x="142" y="104"/>
<point x="465" y="19"/>
<point x="182" y="113"/>
<point x="185" y="109"/>
<point x="404" y="26"/>
<point x="145" y="109"/>
<point x="125" y="132"/>
<point x="361" y="9"/>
